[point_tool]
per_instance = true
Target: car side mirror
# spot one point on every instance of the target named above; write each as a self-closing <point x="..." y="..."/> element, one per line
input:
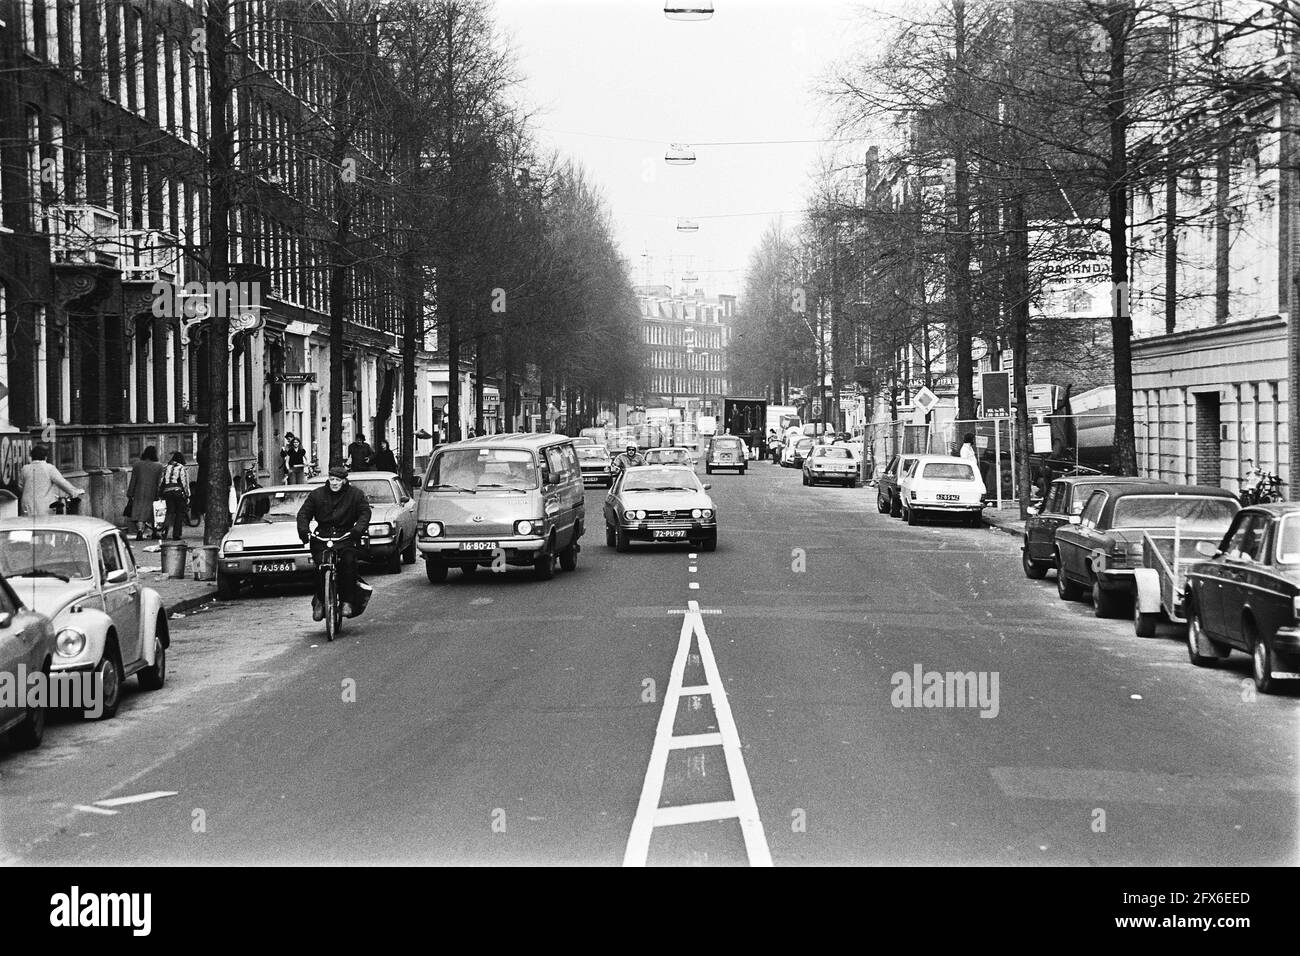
<point x="117" y="577"/>
<point x="1031" y="511"/>
<point x="1206" y="548"/>
<point x="5" y="620"/>
<point x="707" y="487"/>
<point x="1075" y="519"/>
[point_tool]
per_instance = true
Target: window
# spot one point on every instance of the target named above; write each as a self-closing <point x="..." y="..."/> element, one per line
<point x="1160" y="511"/>
<point x="1092" y="509"/>
<point x="34" y="170"/>
<point x="27" y="25"/>
<point x="1245" y="541"/>
<point x="1288" y="540"/>
<point x="109" y="558"/>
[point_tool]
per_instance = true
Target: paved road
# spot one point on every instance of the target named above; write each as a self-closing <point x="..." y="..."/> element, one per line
<point x="497" y="719"/>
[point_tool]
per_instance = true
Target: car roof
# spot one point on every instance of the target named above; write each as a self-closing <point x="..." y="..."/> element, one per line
<point x="929" y="458"/>
<point x="277" y="488"/>
<point x="531" y="440"/>
<point x="1276" y="509"/>
<point x="82" y="524"/>
<point x="1166" y="489"/>
<point x="1104" y="480"/>
<point x="321" y="479"/>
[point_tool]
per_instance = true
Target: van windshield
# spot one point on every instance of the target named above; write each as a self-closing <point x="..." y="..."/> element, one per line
<point x="471" y="469"/>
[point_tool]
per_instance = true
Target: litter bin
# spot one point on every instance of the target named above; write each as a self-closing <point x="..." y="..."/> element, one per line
<point x="203" y="562"/>
<point x="173" y="558"/>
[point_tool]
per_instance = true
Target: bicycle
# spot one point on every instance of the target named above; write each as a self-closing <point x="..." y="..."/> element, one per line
<point x="1267" y="487"/>
<point x="333" y="601"/>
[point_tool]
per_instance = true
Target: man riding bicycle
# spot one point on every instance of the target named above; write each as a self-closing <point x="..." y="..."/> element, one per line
<point x="628" y="459"/>
<point x="339" y="509"/>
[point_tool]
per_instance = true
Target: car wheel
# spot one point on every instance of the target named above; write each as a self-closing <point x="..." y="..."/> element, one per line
<point x="153" y="678"/>
<point x="882" y="505"/>
<point x="1033" y="569"/>
<point x="109" y="672"/>
<point x="569" y="558"/>
<point x="29" y="734"/>
<point x="895" y="507"/>
<point x="621" y="544"/>
<point x="708" y="470"/>
<point x="911" y="516"/>
<point x="468" y="570"/>
<point x="609" y="536"/>
<point x="393" y="563"/>
<point x="408" y="556"/>
<point x="1144" y="623"/>
<point x="1066" y="589"/>
<point x="435" y="571"/>
<point x="1261" y="655"/>
<point x="709" y="544"/>
<point x="1196" y="639"/>
<point x="1105" y="603"/>
<point x="227" y="587"/>
<point x="544" y="566"/>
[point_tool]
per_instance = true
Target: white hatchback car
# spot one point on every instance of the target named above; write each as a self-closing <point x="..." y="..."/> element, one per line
<point x="942" y="484"/>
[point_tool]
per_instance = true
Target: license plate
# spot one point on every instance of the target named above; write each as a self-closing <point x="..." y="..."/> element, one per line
<point x="948" y="497"/>
<point x="724" y="458"/>
<point x="272" y="567"/>
<point x="478" y="545"/>
<point x="670" y="533"/>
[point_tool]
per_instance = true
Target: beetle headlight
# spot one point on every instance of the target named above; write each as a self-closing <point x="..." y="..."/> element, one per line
<point x="234" y="546"/>
<point x="381" y="530"/>
<point x="71" y="641"/>
<point x="433" y="529"/>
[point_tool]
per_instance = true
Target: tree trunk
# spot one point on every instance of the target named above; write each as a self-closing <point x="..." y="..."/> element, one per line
<point x="962" y="312"/>
<point x="1119" y="19"/>
<point x="1171" y="247"/>
<point x="220" y="163"/>
<point x="1018" y="302"/>
<point x="339" y="263"/>
<point x="1222" y="183"/>
<point x="413" y="297"/>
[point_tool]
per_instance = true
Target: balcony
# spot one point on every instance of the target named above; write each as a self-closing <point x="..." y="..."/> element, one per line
<point x="149" y="255"/>
<point x="84" y="235"/>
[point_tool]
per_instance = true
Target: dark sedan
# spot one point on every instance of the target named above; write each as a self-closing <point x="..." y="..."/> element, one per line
<point x="887" y="500"/>
<point x="597" y="467"/>
<point x="1065" y="497"/>
<point x="1100" y="547"/>
<point x="1247" y="596"/>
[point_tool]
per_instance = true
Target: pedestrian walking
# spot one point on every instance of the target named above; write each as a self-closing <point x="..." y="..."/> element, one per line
<point x="142" y="490"/>
<point x="360" y="454"/>
<point x="176" y="492"/>
<point x="295" y="463"/>
<point x="40" y="482"/>
<point x="384" y="458"/>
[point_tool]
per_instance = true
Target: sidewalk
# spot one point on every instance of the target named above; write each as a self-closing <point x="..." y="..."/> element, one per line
<point x="179" y="595"/>
<point x="1007" y="520"/>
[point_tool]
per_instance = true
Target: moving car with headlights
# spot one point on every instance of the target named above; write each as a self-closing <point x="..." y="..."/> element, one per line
<point x="27" y="645"/>
<point x="796" y="451"/>
<point x="517" y="498"/>
<point x="1100" y="548"/>
<point x="1247" y="595"/>
<point x="80" y="573"/>
<point x="659" y="503"/>
<point x="596" y="464"/>
<point x="262" y="545"/>
<point x="887" y="498"/>
<point x="831" y="463"/>
<point x="941" y="484"/>
<point x="726" y="451"/>
<point x="670" y="456"/>
<point x="390" y="541"/>
<point x="1065" y="497"/>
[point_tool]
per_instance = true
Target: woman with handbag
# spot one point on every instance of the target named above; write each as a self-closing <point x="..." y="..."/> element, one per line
<point x="175" y="491"/>
<point x="146" y="476"/>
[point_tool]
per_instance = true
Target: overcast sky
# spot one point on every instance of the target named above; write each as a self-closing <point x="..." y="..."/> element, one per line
<point x="614" y="82"/>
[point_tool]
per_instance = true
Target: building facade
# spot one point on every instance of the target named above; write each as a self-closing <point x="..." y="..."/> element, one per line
<point x="687" y="338"/>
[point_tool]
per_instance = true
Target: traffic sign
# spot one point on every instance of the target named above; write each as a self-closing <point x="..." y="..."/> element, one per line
<point x="1042" y="439"/>
<point x="1038" y="399"/>
<point x="817" y="410"/>
<point x="925" y="399"/>
<point x="995" y="390"/>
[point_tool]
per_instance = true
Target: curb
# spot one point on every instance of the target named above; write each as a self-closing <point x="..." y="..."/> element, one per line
<point x="189" y="603"/>
<point x="1015" y="532"/>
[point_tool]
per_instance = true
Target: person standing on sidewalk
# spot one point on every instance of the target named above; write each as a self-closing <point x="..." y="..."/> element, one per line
<point x="295" y="463"/>
<point x="146" y="478"/>
<point x="175" y="491"/>
<point x="39" y="483"/>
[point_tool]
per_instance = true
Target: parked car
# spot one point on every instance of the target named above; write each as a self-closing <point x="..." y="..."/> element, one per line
<point x="887" y="499"/>
<point x="1065" y="497"/>
<point x="1247" y="595"/>
<point x="262" y="545"/>
<point x="80" y="573"/>
<point x="796" y="451"/>
<point x="520" y="495"/>
<point x="596" y="464"/>
<point x="390" y="542"/>
<point x="660" y="503"/>
<point x="670" y="456"/>
<point x="584" y="440"/>
<point x="726" y="451"/>
<point x="1100" y="548"/>
<point x="830" y="463"/>
<point x="26" y="641"/>
<point x="941" y="484"/>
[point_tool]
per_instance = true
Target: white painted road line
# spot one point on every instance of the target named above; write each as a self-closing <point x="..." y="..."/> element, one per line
<point x="85" y="809"/>
<point x="694" y="586"/>
<point x="742" y="806"/>
<point x="692" y="556"/>
<point x="692" y="569"/>
<point x="138" y="798"/>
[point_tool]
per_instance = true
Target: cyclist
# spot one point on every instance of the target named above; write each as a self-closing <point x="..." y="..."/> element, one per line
<point x="628" y="459"/>
<point x="339" y="508"/>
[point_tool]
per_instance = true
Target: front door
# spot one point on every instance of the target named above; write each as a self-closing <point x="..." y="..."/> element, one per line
<point x="1245" y="549"/>
<point x="121" y="600"/>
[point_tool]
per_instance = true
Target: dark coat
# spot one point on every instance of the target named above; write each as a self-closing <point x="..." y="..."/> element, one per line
<point x="335" y="513"/>
<point x="146" y="477"/>
<point x="384" y="460"/>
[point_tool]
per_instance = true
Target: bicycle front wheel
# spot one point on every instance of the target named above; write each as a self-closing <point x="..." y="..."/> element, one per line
<point x="331" y="604"/>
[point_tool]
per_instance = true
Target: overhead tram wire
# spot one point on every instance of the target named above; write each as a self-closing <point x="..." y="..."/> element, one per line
<point x="750" y="142"/>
